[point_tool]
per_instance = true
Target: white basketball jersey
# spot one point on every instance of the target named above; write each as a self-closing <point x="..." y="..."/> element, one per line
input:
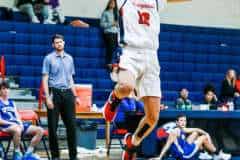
<point x="140" y="22"/>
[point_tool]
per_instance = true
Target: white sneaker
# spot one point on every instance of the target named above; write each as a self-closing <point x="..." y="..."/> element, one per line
<point x="31" y="155"/>
<point x="216" y="157"/>
<point x="224" y="156"/>
<point x="35" y="20"/>
<point x="48" y="21"/>
<point x="205" y="156"/>
<point x="155" y="158"/>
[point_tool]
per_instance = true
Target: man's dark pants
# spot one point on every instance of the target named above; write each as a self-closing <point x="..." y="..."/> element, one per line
<point x="64" y="103"/>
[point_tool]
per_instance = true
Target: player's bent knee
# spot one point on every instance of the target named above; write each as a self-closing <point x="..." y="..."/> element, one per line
<point x="202" y="139"/>
<point x="205" y="138"/>
<point x="195" y="134"/>
<point x="125" y="89"/>
<point x="40" y="131"/>
<point x="17" y="131"/>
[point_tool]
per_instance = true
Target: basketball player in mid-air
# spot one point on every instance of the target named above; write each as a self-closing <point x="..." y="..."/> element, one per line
<point x="138" y="66"/>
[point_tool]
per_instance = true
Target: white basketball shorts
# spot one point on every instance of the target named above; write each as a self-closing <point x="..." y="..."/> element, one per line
<point x="144" y="65"/>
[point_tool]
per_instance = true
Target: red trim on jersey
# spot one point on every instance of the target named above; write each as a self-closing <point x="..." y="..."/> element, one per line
<point x="121" y="11"/>
<point x="143" y="5"/>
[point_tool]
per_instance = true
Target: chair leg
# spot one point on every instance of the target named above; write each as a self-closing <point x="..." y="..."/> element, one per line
<point x="7" y="149"/>
<point x="3" y="151"/>
<point x="24" y="145"/>
<point x="120" y="141"/>
<point x="109" y="146"/>
<point x="45" y="147"/>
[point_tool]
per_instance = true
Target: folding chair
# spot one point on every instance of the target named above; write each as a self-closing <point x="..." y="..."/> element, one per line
<point x="29" y="115"/>
<point x="26" y="115"/>
<point x="116" y="133"/>
<point x="4" y="136"/>
<point x="120" y="126"/>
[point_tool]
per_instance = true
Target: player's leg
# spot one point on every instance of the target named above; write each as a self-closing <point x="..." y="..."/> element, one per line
<point x="148" y="87"/>
<point x="37" y="133"/>
<point x="202" y="142"/>
<point x="147" y="124"/>
<point x="129" y="67"/>
<point x="192" y="137"/>
<point x="125" y="85"/>
<point x="16" y="131"/>
<point x="205" y="142"/>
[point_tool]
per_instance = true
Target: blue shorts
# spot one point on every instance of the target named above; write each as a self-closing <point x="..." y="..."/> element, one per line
<point x="190" y="152"/>
<point x="26" y="125"/>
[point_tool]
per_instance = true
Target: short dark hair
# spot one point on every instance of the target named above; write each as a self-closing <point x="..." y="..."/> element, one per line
<point x="57" y="36"/>
<point x="4" y="84"/>
<point x="180" y="116"/>
<point x="209" y="87"/>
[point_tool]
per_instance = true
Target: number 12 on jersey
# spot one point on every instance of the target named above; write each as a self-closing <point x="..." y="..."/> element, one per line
<point x="144" y="18"/>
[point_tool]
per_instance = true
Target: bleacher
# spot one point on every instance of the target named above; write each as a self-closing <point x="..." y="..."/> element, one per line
<point x="25" y="45"/>
<point x="189" y="56"/>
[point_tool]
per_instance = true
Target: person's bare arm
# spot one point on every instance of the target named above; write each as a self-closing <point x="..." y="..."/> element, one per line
<point x="72" y="86"/>
<point x="17" y="114"/>
<point x="4" y="122"/>
<point x="49" y="102"/>
<point x="77" y="100"/>
<point x="171" y="138"/>
<point x="45" y="85"/>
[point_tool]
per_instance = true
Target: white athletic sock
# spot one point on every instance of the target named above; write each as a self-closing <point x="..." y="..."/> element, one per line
<point x="17" y="149"/>
<point x="30" y="149"/>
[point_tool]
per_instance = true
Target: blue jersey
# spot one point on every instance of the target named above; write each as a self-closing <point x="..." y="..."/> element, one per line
<point x="8" y="111"/>
<point x="182" y="149"/>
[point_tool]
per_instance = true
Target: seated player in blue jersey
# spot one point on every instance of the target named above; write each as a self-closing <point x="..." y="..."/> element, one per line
<point x="184" y="143"/>
<point x="10" y="122"/>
